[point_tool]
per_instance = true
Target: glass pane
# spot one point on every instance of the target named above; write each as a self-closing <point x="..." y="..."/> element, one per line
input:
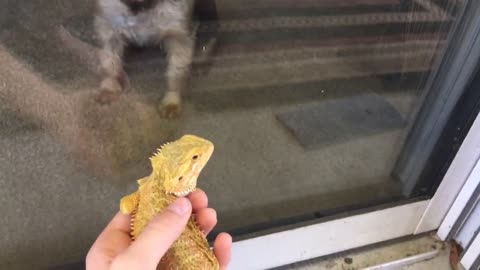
<point x="308" y="104"/>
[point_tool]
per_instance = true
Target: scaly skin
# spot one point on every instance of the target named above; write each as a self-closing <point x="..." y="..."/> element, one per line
<point x="175" y="169"/>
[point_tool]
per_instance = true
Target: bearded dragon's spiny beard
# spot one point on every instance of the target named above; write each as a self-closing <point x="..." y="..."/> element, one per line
<point x="177" y="165"/>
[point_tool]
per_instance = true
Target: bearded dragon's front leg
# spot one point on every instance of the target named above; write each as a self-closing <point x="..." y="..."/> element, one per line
<point x="129" y="203"/>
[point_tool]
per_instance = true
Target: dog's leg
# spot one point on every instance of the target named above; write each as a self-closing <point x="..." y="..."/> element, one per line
<point x="114" y="78"/>
<point x="179" y="49"/>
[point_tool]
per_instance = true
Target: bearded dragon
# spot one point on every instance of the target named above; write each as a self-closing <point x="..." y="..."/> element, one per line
<point x="175" y="169"/>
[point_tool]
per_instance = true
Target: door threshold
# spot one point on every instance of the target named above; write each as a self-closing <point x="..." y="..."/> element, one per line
<point x="421" y="252"/>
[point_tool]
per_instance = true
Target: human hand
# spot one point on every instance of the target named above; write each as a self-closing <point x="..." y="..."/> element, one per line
<point x="114" y="250"/>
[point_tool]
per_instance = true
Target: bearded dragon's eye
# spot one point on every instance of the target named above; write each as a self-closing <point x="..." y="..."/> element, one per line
<point x="195" y="157"/>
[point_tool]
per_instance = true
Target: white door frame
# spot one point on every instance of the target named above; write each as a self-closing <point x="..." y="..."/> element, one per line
<point x="329" y="237"/>
<point x="453" y="182"/>
<point x="461" y="201"/>
<point x="471" y="254"/>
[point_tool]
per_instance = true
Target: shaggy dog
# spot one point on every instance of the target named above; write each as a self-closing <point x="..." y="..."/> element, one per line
<point x="144" y="22"/>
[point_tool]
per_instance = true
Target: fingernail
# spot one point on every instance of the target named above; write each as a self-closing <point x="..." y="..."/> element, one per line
<point x="180" y="206"/>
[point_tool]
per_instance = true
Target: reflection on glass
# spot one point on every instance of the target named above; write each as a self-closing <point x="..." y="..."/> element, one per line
<point x="307" y="103"/>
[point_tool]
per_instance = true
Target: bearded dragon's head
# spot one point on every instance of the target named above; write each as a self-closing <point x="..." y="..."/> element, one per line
<point x="178" y="164"/>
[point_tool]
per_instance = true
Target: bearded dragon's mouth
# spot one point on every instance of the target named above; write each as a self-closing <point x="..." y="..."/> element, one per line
<point x="183" y="193"/>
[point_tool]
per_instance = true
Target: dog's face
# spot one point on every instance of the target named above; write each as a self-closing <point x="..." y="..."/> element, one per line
<point x="139" y="5"/>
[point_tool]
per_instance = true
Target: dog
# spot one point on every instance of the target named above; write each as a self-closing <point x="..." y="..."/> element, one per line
<point x="144" y="22"/>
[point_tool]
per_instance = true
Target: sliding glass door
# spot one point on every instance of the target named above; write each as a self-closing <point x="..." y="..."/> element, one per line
<point x="436" y="153"/>
<point x="336" y="124"/>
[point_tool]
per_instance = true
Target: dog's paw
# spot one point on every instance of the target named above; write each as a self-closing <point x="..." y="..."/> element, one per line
<point x="170" y="111"/>
<point x="105" y="97"/>
<point x="110" y="90"/>
<point x="171" y="106"/>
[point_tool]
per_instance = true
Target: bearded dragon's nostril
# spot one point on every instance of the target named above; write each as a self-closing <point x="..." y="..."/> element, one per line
<point x="180" y="178"/>
<point x="195" y="157"/>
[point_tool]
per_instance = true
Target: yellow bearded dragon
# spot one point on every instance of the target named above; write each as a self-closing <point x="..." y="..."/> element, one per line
<point x="175" y="169"/>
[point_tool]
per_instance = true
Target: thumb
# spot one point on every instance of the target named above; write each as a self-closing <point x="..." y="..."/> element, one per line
<point x="157" y="237"/>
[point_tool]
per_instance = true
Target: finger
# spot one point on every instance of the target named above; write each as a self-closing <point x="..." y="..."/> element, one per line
<point x="120" y="222"/>
<point x="157" y="237"/>
<point x="207" y="219"/>
<point x="199" y="200"/>
<point x="222" y="248"/>
<point x="113" y="240"/>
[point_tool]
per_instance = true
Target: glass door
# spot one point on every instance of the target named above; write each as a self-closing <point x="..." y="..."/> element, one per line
<point x="335" y="123"/>
<point x="436" y="156"/>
